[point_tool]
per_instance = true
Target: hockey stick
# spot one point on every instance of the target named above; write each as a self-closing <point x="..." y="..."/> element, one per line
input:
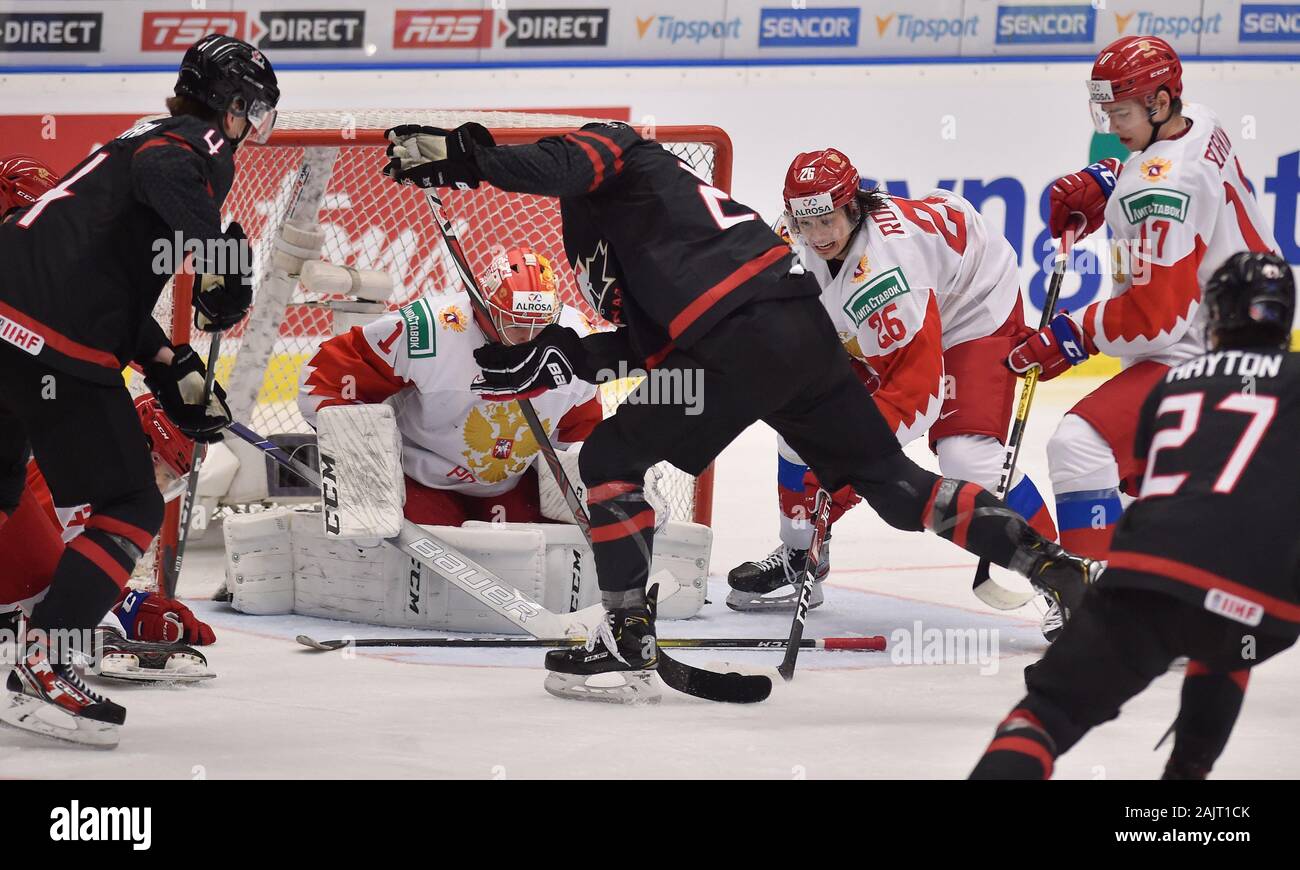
<point x="171" y="567"/>
<point x="711" y="685"/>
<point x="987" y="589"/>
<point x="862" y="644"/>
<point x="821" y="519"/>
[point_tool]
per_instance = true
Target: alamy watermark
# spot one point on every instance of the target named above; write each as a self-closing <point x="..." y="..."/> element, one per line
<point x="178" y="255"/>
<point x="684" y="387"/>
<point x="946" y="646"/>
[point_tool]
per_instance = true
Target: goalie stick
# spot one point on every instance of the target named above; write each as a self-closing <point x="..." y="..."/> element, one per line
<point x="863" y="644"/>
<point x="529" y="615"/>
<point x="986" y="589"/>
<point x="171" y="562"/>
<point x="729" y="687"/>
<point x="821" y="519"/>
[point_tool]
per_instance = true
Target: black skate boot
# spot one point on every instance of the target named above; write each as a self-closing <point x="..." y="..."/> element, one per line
<point x="617" y="664"/>
<point x="141" y="661"/>
<point x="1055" y="572"/>
<point x="53" y="701"/>
<point x="772" y="583"/>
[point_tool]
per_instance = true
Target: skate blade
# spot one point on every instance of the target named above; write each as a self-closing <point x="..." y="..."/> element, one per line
<point x="636" y="688"/>
<point x="778" y="601"/>
<point x="37" y="717"/>
<point x="179" y="668"/>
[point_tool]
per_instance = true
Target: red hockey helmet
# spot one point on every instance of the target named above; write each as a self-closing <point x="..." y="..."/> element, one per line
<point x="818" y="182"/>
<point x="173" y="453"/>
<point x="23" y="180"/>
<point x="1133" y="68"/>
<point x="520" y="291"/>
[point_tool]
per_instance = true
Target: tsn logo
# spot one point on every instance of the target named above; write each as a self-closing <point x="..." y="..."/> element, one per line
<point x="177" y="31"/>
<point x="436" y="28"/>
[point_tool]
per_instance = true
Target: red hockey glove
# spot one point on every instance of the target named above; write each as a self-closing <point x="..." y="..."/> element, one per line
<point x="153" y="617"/>
<point x="1081" y="197"/>
<point x="1057" y="347"/>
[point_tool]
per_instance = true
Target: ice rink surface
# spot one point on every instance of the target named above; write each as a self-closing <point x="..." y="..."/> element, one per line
<point x="277" y="710"/>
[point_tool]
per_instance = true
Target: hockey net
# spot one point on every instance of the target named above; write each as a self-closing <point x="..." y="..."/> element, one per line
<point x="324" y="168"/>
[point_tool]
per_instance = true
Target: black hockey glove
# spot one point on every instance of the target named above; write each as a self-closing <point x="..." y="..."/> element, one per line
<point x="433" y="157"/>
<point x="521" y="371"/>
<point x="178" y="387"/>
<point x="222" y="298"/>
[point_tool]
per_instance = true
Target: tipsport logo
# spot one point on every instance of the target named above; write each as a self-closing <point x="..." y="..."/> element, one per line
<point x="1172" y="27"/>
<point x="910" y="28"/>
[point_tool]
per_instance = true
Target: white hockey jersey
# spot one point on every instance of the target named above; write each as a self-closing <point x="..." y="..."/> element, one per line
<point x="420" y="359"/>
<point x="1179" y="209"/>
<point x="919" y="277"/>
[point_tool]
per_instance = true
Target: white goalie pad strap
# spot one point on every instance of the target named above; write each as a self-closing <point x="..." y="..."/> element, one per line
<point x="295" y="245"/>
<point x="259" y="561"/>
<point x="362" y="487"/>
<point x="553" y="504"/>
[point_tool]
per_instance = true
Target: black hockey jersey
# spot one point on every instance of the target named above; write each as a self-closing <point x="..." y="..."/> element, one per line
<point x="1218" y="518"/>
<point x="638" y="222"/>
<point x="84" y="266"/>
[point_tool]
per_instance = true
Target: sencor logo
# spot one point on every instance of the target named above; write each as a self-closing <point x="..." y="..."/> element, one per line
<point x="788" y="28"/>
<point x="177" y="31"/>
<point x="1022" y="25"/>
<point x="439" y="28"/>
<point x="1270" y="22"/>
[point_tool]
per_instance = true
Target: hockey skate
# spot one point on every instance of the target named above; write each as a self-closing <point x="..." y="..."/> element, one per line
<point x="1055" y="572"/>
<point x="616" y="665"/>
<point x="142" y="662"/>
<point x="53" y="701"/>
<point x="772" y="583"/>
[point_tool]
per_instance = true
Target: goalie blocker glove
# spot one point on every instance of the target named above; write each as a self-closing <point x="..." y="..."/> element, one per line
<point x="521" y="371"/>
<point x="433" y="157"/>
<point x="222" y="296"/>
<point x="178" y="386"/>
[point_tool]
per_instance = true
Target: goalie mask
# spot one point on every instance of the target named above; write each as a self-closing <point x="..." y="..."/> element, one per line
<point x="520" y="291"/>
<point x="172" y="451"/>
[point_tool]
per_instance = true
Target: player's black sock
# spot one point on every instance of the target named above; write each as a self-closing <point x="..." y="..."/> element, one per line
<point x="1210" y="704"/>
<point x="622" y="534"/>
<point x="1021" y="749"/>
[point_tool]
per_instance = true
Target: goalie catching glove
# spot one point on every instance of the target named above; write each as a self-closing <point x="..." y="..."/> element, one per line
<point x="221" y="299"/>
<point x="521" y="371"/>
<point x="434" y="157"/>
<point x="178" y="387"/>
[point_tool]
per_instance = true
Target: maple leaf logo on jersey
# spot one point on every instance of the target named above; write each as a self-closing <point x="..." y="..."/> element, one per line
<point x="1156" y="169"/>
<point x="604" y="299"/>
<point x="862" y="270"/>
<point x="452" y="318"/>
<point x="500" y="444"/>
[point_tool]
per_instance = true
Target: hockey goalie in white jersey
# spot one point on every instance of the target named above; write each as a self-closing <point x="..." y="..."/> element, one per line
<point x="464" y="462"/>
<point x="1176" y="209"/>
<point x="928" y="304"/>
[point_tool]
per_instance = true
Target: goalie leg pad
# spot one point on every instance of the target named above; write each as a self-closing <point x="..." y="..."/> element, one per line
<point x="362" y="485"/>
<point x="259" y="561"/>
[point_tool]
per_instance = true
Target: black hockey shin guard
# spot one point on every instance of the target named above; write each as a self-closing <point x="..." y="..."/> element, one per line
<point x="973" y="519"/>
<point x="1209" y="707"/>
<point x="622" y="541"/>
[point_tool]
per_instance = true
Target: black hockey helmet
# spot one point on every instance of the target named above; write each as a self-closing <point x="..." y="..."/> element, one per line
<point x="1251" y="301"/>
<point x="229" y="75"/>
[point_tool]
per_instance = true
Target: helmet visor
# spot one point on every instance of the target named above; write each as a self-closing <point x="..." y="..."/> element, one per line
<point x="170" y="483"/>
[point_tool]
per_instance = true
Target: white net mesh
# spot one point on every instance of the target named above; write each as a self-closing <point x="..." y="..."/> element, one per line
<point x="370" y="223"/>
